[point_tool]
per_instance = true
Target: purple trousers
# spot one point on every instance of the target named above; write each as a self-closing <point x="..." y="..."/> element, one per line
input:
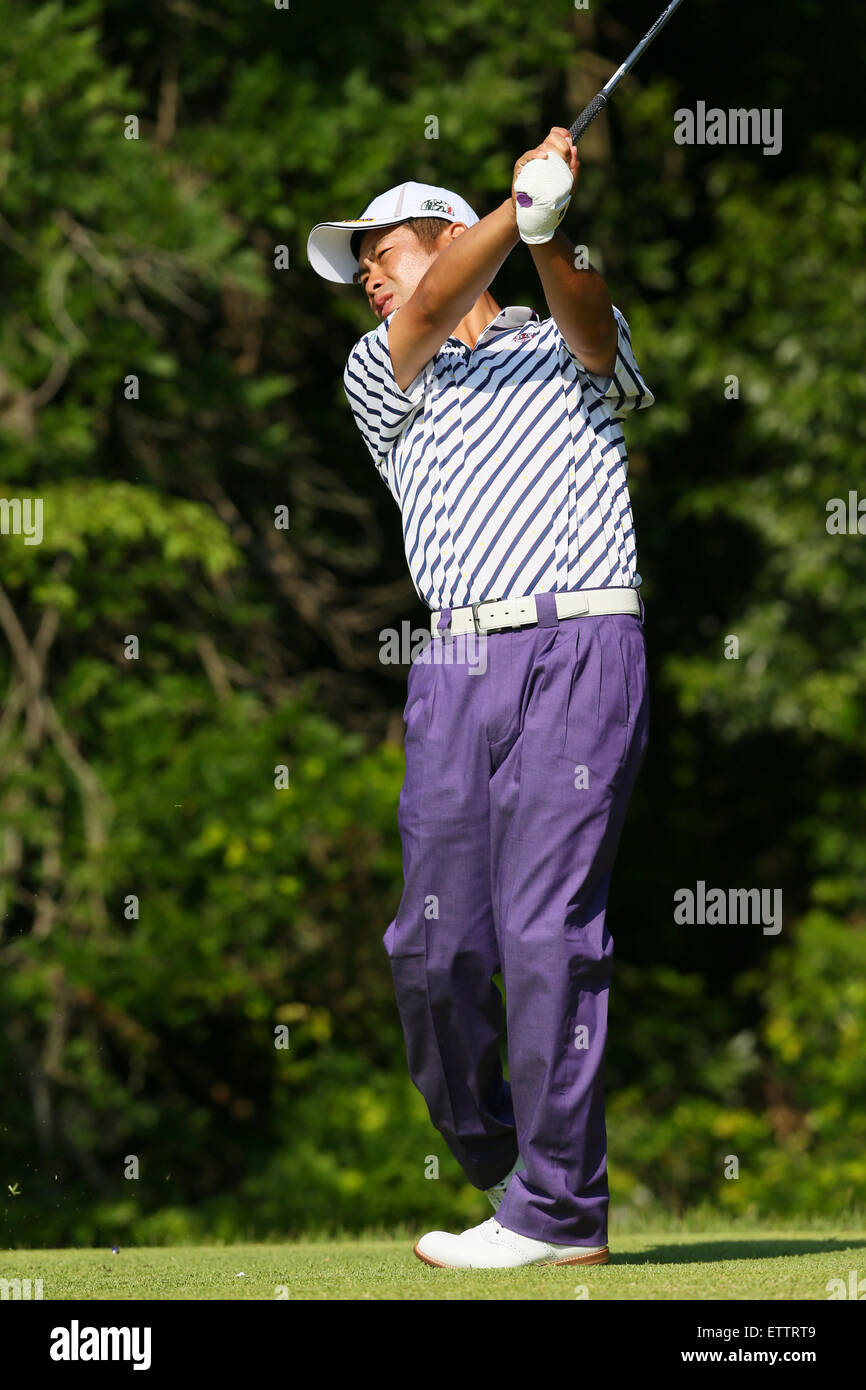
<point x="517" y="781"/>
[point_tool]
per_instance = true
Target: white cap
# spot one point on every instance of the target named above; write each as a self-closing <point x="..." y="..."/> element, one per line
<point x="329" y="245"/>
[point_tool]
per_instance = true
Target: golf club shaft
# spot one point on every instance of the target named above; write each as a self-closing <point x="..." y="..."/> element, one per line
<point x="599" y="101"/>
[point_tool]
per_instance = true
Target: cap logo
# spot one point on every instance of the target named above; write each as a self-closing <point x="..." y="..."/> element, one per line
<point x="436" y="205"/>
<point x="361" y="219"/>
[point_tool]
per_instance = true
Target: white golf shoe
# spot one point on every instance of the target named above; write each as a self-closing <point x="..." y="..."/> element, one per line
<point x="495" y="1193"/>
<point x="491" y="1246"/>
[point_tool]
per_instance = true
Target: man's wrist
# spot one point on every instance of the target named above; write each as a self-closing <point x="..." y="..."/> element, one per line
<point x="509" y="212"/>
<point x="558" y="244"/>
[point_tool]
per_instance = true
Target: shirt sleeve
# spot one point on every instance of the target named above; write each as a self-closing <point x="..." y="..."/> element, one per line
<point x="382" y="411"/>
<point x="626" y="389"/>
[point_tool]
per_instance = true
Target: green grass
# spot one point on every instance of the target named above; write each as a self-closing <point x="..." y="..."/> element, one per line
<point x="725" y="1260"/>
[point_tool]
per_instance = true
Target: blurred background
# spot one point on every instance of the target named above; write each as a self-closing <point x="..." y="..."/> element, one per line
<point x="164" y="907"/>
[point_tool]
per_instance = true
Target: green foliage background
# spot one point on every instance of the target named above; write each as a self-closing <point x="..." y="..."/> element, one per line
<point x="154" y="777"/>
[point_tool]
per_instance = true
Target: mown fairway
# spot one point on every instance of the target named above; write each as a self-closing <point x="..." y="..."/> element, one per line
<point x="763" y="1263"/>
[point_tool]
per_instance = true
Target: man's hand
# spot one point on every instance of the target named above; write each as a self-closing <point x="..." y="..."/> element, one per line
<point x="558" y="142"/>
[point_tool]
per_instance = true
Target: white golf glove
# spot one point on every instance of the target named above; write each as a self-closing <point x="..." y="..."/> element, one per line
<point x="542" y="192"/>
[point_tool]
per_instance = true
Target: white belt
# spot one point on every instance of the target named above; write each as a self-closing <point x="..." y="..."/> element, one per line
<point x="492" y="614"/>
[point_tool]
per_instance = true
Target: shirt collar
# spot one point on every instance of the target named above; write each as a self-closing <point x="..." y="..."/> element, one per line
<point x="514" y="316"/>
<point x="511" y="317"/>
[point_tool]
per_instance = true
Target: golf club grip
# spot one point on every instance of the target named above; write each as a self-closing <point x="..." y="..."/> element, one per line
<point x="588" y="115"/>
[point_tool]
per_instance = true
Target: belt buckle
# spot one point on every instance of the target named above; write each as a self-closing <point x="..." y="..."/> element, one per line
<point x="475" y="607"/>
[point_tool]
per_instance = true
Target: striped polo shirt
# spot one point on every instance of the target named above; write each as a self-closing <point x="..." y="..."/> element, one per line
<point x="507" y="460"/>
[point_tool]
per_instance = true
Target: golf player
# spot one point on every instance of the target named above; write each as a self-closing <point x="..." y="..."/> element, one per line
<point x="500" y="437"/>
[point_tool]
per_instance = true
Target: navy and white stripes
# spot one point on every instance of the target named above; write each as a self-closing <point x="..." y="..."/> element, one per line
<point x="507" y="460"/>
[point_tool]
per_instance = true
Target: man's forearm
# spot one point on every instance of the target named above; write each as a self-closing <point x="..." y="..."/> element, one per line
<point x="579" y="302"/>
<point x="465" y="268"/>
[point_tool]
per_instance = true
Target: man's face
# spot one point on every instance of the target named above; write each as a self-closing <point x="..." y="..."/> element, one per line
<point x="392" y="261"/>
